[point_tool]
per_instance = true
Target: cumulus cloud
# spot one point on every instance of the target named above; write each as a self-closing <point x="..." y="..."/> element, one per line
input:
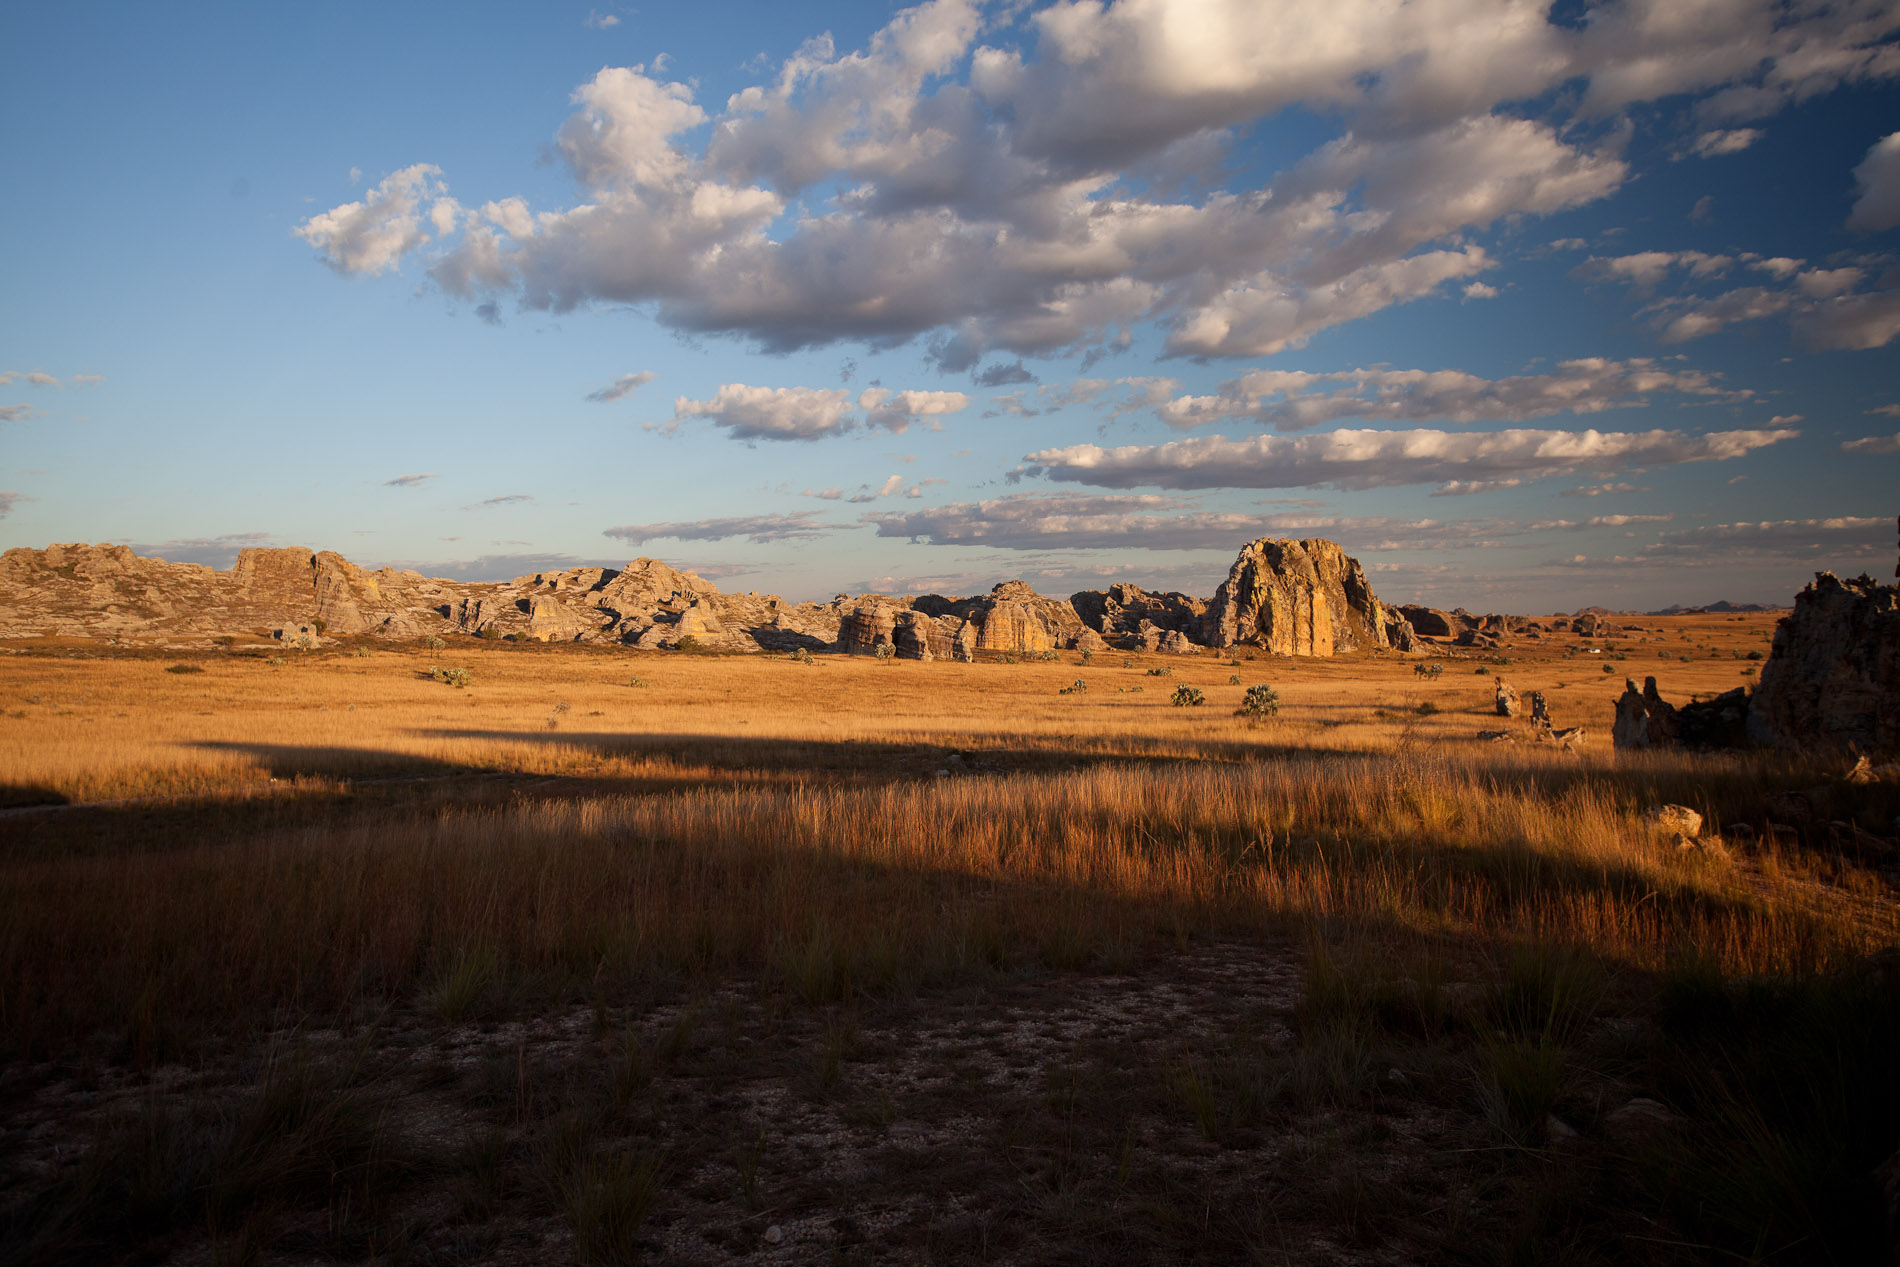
<point x="1826" y="307"/>
<point x="1016" y="197"/>
<point x="1878" y="179"/>
<point x="797" y="526"/>
<point x="1721" y="141"/>
<point x="16" y="413"/>
<point x="772" y="413"/>
<point x="623" y="386"/>
<point x="1355" y="459"/>
<point x="1874" y="444"/>
<point x="600" y="21"/>
<point x="1291" y="400"/>
<point x="373" y="235"/>
<point x="409" y="481"/>
<point x="812" y="413"/>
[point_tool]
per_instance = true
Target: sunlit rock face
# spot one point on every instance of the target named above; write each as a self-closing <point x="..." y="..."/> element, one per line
<point x="1297" y="598"/>
<point x="1833" y="677"/>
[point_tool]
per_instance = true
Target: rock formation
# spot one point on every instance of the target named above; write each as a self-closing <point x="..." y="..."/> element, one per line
<point x="1300" y="598"/>
<point x="1119" y="612"/>
<point x="1643" y="718"/>
<point x="1833" y="676"/>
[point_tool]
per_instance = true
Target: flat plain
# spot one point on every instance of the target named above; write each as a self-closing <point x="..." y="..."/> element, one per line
<point x="611" y="956"/>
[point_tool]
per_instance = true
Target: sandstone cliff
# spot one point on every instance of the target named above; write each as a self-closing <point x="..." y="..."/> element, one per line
<point x="1299" y="598"/>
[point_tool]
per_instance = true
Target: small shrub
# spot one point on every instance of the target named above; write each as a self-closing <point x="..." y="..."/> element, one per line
<point x="1079" y="687"/>
<point x="277" y="662"/>
<point x="1481" y="671"/>
<point x="225" y="640"/>
<point x="562" y="706"/>
<point x="1261" y="702"/>
<point x="186" y="668"/>
<point x="801" y="655"/>
<point x="362" y="653"/>
<point x="488" y="632"/>
<point x="1186" y="696"/>
<point x="688" y="643"/>
<point x="1427" y="709"/>
<point x="1044" y="655"/>
<point x="1609" y="668"/>
<point x="1010" y="659"/>
<point x="1087" y="656"/>
<point x="1233" y="679"/>
<point x="885" y="652"/>
<point x="636" y="682"/>
<point x="1166" y="670"/>
<point x="449" y="677"/>
<point x="1128" y="662"/>
<point x="1430" y="669"/>
<point x="433" y="643"/>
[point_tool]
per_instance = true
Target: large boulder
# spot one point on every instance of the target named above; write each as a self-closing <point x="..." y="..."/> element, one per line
<point x="1297" y="598"/>
<point x="1833" y="676"/>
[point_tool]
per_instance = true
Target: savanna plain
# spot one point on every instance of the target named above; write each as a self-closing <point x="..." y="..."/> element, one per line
<point x="610" y="957"/>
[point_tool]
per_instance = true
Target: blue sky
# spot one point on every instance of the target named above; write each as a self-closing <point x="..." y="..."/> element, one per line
<point x="1530" y="307"/>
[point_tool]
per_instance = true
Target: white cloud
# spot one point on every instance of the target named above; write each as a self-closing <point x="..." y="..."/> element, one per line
<point x="759" y="529"/>
<point x="1355" y="459"/>
<point x="1725" y="141"/>
<point x="1825" y="306"/>
<point x="896" y="411"/>
<point x="17" y="413"/>
<point x="1291" y="399"/>
<point x="884" y="194"/>
<point x="772" y="413"/>
<point x="1874" y="444"/>
<point x="409" y="481"/>
<point x="373" y="235"/>
<point x="1601" y="490"/>
<point x="622" y="386"/>
<point x="600" y="21"/>
<point x="1878" y="179"/>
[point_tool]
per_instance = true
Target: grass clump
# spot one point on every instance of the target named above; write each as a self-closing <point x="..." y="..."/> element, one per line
<point x="185" y="668"/>
<point x="1186" y="696"/>
<point x="800" y="655"/>
<point x="1166" y="670"/>
<point x="457" y="678"/>
<point x="1077" y="687"/>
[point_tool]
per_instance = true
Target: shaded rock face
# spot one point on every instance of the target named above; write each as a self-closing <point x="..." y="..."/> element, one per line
<point x="1643" y="718"/>
<point x="1117" y="613"/>
<point x="1833" y="676"/>
<point x="1299" y="598"/>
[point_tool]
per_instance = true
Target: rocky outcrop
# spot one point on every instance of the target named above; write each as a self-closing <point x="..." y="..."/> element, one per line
<point x="1643" y="718"/>
<point x="1833" y="676"/>
<point x="1118" y="612"/>
<point x="1297" y="598"/>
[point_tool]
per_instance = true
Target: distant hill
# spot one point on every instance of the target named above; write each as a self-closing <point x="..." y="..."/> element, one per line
<point x="1723" y="606"/>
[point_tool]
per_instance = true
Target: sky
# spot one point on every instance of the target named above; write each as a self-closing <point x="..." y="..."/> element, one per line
<point x="1529" y="305"/>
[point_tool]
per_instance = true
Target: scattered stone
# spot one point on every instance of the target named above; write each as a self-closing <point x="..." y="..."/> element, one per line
<point x="774" y="1234"/>
<point x="1558" y="1130"/>
<point x="1571" y="737"/>
<point x="1540" y="708"/>
<point x="1506" y="699"/>
<point x="1675" y="819"/>
<point x="1496" y="736"/>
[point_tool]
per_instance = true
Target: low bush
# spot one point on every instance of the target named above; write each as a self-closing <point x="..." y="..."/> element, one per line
<point x="1186" y="696"/>
<point x="449" y="677"/>
<point x="185" y="668"/>
<point x="1166" y="670"/>
<point x="1260" y="702"/>
<point x="1078" y="687"/>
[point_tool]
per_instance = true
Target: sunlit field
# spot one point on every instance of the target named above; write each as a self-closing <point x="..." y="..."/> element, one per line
<point x="594" y="890"/>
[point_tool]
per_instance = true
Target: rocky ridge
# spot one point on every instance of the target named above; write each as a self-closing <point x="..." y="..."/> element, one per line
<point x="1301" y="598"/>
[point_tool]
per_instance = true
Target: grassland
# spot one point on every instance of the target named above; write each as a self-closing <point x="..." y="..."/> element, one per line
<point x="670" y="957"/>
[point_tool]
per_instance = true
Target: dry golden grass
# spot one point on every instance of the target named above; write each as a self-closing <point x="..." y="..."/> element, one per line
<point x="842" y="826"/>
